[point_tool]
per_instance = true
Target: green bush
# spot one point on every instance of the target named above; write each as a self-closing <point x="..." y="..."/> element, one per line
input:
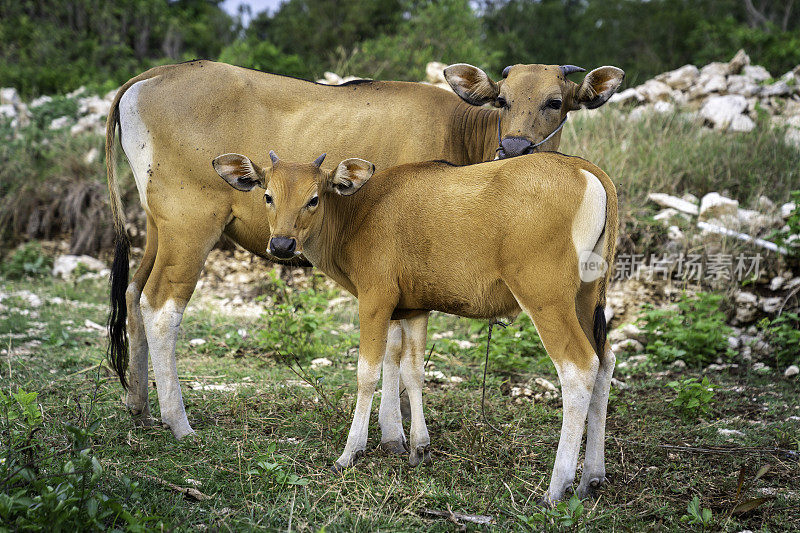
<point x="696" y="332"/>
<point x="783" y="335"/>
<point x="42" y="488"/>
<point x="789" y="235"/>
<point x="262" y="55"/>
<point x="514" y="348"/>
<point x="27" y="261"/>
<point x="694" y="397"/>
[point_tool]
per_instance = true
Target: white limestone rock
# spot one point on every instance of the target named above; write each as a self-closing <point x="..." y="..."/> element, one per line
<point x="757" y="73"/>
<point x="720" y="111"/>
<point x="666" y="200"/>
<point x="65" y="265"/>
<point x="681" y="78"/>
<point x="715" y="206"/>
<point x="628" y="96"/>
<point x="791" y="371"/>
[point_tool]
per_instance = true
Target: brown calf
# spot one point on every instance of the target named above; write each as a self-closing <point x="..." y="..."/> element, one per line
<point x="532" y="233"/>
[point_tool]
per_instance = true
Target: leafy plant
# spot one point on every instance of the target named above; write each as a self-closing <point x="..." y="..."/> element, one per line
<point x="513" y="348"/>
<point x="789" y="235"/>
<point x="697" y="515"/>
<point x="27" y="261"/>
<point x="696" y="333"/>
<point x="564" y="515"/>
<point x="783" y="335"/>
<point x="694" y="397"/>
<point x="271" y="468"/>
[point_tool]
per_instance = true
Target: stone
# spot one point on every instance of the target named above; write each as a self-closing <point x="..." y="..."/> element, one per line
<point x="435" y="72"/>
<point x="691" y="198"/>
<point x="775" y="283"/>
<point x="9" y="96"/>
<point x="640" y="112"/>
<point x="757" y="73"/>
<point x="715" y="69"/>
<point x="787" y="209"/>
<point x="765" y="204"/>
<point x="59" y="123"/>
<point x="8" y="111"/>
<point x="746" y="307"/>
<point x="720" y="111"/>
<point x="734" y="343"/>
<point x="743" y="85"/>
<point x="197" y="342"/>
<point x="671" y="216"/>
<point x="91" y="156"/>
<point x="792" y="137"/>
<point x="628" y="96"/>
<point x="715" y="206"/>
<point x="654" y="91"/>
<point x="742" y="123"/>
<point x="320" y="362"/>
<point x="664" y="107"/>
<point x="331" y="78"/>
<point x="65" y="265"/>
<point x="681" y="78"/>
<point x="738" y="62"/>
<point x="770" y="305"/>
<point x="609" y="312"/>
<point x="678" y="364"/>
<point x="77" y="92"/>
<point x="40" y="101"/>
<point x="545" y="385"/>
<point x="666" y="200"/>
<point x="628" y="345"/>
<point x="617" y="384"/>
<point x="761" y="367"/>
<point x="779" y="88"/>
<point x="730" y="432"/>
<point x="675" y="234"/>
<point x="632" y="331"/>
<point x="791" y="371"/>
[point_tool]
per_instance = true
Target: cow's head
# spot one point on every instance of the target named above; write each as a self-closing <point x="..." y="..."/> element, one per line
<point x="533" y="99"/>
<point x="294" y="193"/>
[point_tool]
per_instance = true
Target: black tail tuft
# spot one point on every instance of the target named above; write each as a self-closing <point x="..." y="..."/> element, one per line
<point x="117" y="335"/>
<point x="599" y="329"/>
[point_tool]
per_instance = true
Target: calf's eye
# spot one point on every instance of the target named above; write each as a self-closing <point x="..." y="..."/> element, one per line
<point x="313" y="202"/>
<point x="554" y="104"/>
<point x="502" y="102"/>
<point x="268" y="199"/>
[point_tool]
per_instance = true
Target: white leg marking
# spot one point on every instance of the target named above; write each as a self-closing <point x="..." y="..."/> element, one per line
<point x="412" y="369"/>
<point x="357" y="438"/>
<point x="161" y="327"/>
<point x="594" y="465"/>
<point x="137" y="342"/>
<point x="576" y="391"/>
<point x="392" y="437"/>
<point x="136" y="141"/>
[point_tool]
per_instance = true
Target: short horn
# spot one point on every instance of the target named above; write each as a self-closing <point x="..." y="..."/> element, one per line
<point x="571" y="69"/>
<point x="506" y="70"/>
<point x="274" y="157"/>
<point x="318" y="161"/>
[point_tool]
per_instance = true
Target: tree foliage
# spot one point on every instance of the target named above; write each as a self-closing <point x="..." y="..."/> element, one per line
<point x="56" y="46"/>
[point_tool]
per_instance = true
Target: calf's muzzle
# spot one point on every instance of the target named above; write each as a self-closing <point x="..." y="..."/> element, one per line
<point x="282" y="247"/>
<point x="515" y="146"/>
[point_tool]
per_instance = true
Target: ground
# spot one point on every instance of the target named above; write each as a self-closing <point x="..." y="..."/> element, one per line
<point x="266" y="438"/>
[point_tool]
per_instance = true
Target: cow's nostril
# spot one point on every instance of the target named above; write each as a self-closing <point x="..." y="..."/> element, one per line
<point x="514" y="146"/>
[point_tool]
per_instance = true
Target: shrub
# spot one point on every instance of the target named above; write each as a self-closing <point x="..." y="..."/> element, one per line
<point x="694" y="397"/>
<point x="27" y="261"/>
<point x="789" y="235"/>
<point x="783" y="335"/>
<point x="696" y="332"/>
<point x="698" y="516"/>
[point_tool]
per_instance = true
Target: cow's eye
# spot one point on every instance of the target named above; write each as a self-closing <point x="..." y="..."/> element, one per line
<point x="502" y="102"/>
<point x="554" y="104"/>
<point x="313" y="202"/>
<point x="268" y="198"/>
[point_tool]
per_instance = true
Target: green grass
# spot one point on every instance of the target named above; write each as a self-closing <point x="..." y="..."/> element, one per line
<point x="263" y="449"/>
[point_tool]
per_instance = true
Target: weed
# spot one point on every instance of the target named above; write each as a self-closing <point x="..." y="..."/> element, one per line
<point x="698" y="516"/>
<point x="271" y="468"/>
<point x="783" y="335"/>
<point x="789" y="235"/>
<point x="27" y="261"/>
<point x="694" y="397"/>
<point x="696" y="332"/>
<point x="513" y="348"/>
<point x="567" y="514"/>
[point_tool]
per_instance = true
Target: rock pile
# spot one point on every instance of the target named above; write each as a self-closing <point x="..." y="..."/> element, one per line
<point x="725" y="96"/>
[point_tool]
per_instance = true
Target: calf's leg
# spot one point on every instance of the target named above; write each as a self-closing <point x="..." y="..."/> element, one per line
<point x="393" y="439"/>
<point x="412" y="369"/>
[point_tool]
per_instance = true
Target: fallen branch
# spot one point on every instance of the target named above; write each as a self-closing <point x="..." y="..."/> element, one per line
<point x="745" y="450"/>
<point x="712" y="228"/>
<point x="191" y="493"/>
<point x="450" y="515"/>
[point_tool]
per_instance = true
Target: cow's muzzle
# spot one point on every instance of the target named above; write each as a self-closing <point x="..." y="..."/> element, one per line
<point x="514" y="146"/>
<point x="283" y="247"/>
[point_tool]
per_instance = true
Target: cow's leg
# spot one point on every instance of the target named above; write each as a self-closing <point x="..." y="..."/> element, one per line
<point x="594" y="468"/>
<point x="374" y="311"/>
<point x="181" y="253"/>
<point x="393" y="439"/>
<point x="136" y="400"/>
<point x="554" y="316"/>
<point x="412" y="369"/>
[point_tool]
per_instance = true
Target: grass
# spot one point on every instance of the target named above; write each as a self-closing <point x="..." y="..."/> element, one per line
<point x="264" y="445"/>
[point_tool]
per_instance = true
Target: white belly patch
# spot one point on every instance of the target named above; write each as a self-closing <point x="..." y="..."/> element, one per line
<point x="137" y="143"/>
<point x="590" y="221"/>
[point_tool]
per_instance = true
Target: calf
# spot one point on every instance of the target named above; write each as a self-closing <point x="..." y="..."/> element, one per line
<point x="533" y="233"/>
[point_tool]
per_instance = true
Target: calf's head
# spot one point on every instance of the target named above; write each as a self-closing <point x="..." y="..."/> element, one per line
<point x="533" y="99"/>
<point x="294" y="193"/>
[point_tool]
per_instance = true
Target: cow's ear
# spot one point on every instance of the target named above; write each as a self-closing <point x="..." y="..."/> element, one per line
<point x="350" y="176"/>
<point x="240" y="173"/>
<point x="597" y="87"/>
<point x="471" y="84"/>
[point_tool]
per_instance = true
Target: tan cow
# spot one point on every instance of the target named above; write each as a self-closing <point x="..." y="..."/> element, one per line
<point x="531" y="233"/>
<point x="174" y="119"/>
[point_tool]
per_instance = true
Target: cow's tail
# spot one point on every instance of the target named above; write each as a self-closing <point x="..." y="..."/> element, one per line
<point x="607" y="246"/>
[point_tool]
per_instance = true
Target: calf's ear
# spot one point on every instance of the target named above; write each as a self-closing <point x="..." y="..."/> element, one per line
<point x="350" y="176"/>
<point x="471" y="84"/>
<point x="240" y="173"/>
<point x="597" y="87"/>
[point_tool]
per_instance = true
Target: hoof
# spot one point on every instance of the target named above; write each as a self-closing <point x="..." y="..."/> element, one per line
<point x="181" y="432"/>
<point x="340" y="465"/>
<point x="395" y="447"/>
<point x="589" y="490"/>
<point x="145" y="421"/>
<point x="421" y="454"/>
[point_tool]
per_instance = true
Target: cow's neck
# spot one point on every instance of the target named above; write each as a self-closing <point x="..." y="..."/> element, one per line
<point x="476" y="129"/>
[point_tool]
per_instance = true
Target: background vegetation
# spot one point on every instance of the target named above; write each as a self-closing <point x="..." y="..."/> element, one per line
<point x="54" y="47"/>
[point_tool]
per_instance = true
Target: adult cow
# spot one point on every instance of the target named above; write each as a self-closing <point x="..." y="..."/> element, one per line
<point x="174" y="119"/>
